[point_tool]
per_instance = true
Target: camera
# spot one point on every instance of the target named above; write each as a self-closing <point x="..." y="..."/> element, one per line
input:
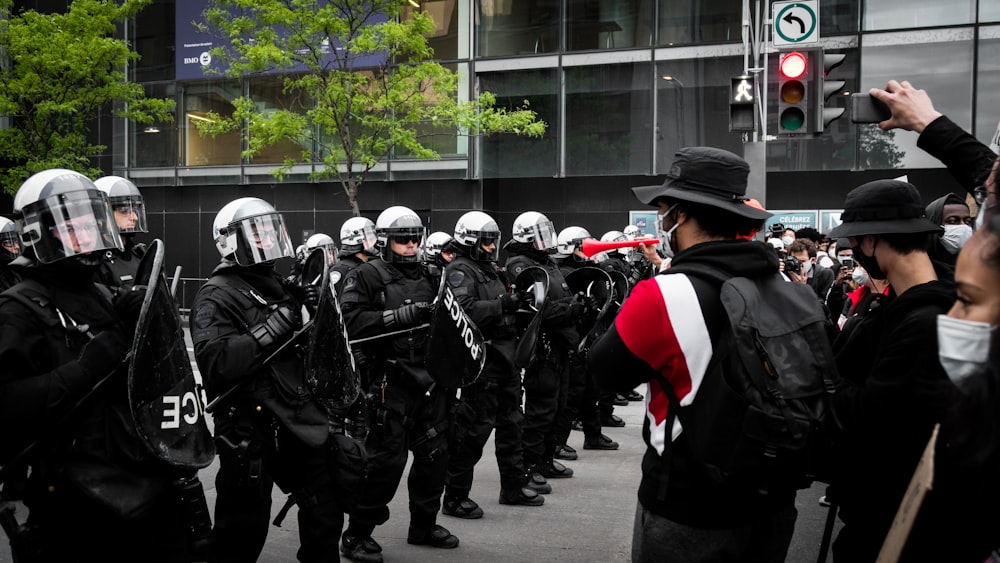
<point x="777" y="229"/>
<point x="847" y="263"/>
<point x="793" y="265"/>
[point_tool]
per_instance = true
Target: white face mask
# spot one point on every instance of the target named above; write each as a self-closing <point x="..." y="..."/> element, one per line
<point x="806" y="266"/>
<point x="787" y="241"/>
<point x="963" y="346"/>
<point x="859" y="275"/>
<point x="955" y="237"/>
<point x="665" y="236"/>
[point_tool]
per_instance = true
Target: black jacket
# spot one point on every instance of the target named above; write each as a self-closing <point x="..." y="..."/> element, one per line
<point x="44" y="326"/>
<point x="968" y="160"/>
<point x="935" y="214"/>
<point x="234" y="301"/>
<point x="561" y="312"/>
<point x="894" y="391"/>
<point x="673" y="325"/>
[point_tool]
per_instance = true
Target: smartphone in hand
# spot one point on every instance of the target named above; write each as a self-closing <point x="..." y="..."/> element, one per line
<point x="866" y="109"/>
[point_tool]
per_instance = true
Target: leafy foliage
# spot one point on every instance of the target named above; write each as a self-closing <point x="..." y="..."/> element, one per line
<point x="62" y="70"/>
<point x="366" y="73"/>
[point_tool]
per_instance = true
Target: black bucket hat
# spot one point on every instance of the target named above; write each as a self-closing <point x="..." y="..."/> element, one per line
<point x="883" y="207"/>
<point x="707" y="176"/>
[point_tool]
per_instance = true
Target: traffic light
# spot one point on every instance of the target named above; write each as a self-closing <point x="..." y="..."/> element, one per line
<point x="742" y="111"/>
<point x="793" y="99"/>
<point x="824" y="89"/>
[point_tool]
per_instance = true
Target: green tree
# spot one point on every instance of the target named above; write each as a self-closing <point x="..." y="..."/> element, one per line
<point x="877" y="149"/>
<point x="363" y="66"/>
<point x="61" y="70"/>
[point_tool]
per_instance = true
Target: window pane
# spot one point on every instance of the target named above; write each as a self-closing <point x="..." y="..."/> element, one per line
<point x="267" y="94"/>
<point x="154" y="41"/>
<point x="197" y="101"/>
<point x="516" y="27"/>
<point x="608" y="119"/>
<point x="988" y="84"/>
<point x="899" y="14"/>
<point x="838" y="17"/>
<point x="989" y="11"/>
<point x="709" y="21"/>
<point x="944" y="71"/>
<point x="608" y="24"/>
<point x="450" y="16"/>
<point x="692" y="106"/>
<point x="508" y="155"/>
<point x="442" y="140"/>
<point x="155" y="144"/>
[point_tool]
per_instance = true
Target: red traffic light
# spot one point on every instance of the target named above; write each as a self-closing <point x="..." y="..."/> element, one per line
<point x="793" y="65"/>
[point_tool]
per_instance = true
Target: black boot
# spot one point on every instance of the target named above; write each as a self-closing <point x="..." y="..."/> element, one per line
<point x="438" y="536"/>
<point x="554" y="470"/>
<point x="357" y="548"/>
<point x="523" y="496"/>
<point x="566" y="452"/>
<point x="599" y="442"/>
<point x="461" y="507"/>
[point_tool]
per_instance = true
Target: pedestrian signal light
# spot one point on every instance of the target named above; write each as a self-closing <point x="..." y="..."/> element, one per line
<point x="793" y="107"/>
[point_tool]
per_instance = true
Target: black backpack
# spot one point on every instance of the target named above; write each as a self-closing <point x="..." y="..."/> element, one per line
<point x="763" y="415"/>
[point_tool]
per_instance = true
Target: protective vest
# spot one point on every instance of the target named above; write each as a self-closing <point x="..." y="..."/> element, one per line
<point x="398" y="290"/>
<point x="281" y="384"/>
<point x="488" y="287"/>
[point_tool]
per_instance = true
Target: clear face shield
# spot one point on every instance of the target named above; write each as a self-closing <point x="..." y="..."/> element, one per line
<point x="260" y="239"/>
<point x="130" y="214"/>
<point x="487" y="247"/>
<point x="545" y="235"/>
<point x="10" y="245"/>
<point x="70" y="224"/>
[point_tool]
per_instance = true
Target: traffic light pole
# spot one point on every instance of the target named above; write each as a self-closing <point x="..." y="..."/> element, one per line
<point x="756" y="30"/>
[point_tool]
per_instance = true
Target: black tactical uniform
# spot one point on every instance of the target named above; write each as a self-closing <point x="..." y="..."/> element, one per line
<point x="270" y="430"/>
<point x="345" y="263"/>
<point x="8" y="277"/>
<point x="545" y="380"/>
<point x="409" y="411"/>
<point x="582" y="396"/>
<point x="494" y="400"/>
<point x="118" y="268"/>
<point x="95" y="489"/>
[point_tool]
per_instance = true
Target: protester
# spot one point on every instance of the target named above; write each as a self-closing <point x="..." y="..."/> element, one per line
<point x="952" y="213"/>
<point x="667" y="330"/>
<point x="895" y="390"/>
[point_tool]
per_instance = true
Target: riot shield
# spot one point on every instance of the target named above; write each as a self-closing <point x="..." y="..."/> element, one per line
<point x="619" y="291"/>
<point x="163" y="395"/>
<point x="456" y="350"/>
<point x="534" y="282"/>
<point x="596" y="284"/>
<point x="331" y="373"/>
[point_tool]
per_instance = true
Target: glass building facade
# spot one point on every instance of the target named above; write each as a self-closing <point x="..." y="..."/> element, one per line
<point x="622" y="84"/>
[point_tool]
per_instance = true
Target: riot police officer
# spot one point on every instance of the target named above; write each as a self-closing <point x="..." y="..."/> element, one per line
<point x="583" y="394"/>
<point x="119" y="266"/>
<point x="269" y="429"/>
<point x="95" y="489"/>
<point x="494" y="399"/>
<point x="439" y="251"/>
<point x="392" y="297"/>
<point x="10" y="249"/>
<point x="545" y="379"/>
<point x="357" y="246"/>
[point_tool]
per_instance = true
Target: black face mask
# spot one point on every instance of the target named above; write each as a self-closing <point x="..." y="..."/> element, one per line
<point x="869" y="263"/>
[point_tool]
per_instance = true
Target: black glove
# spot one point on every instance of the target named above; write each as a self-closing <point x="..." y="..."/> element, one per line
<point x="408" y="315"/>
<point x="576" y="309"/>
<point x="509" y="302"/>
<point x="128" y="305"/>
<point x="587" y="301"/>
<point x="279" y="325"/>
<point x="307" y="294"/>
<point x="103" y="353"/>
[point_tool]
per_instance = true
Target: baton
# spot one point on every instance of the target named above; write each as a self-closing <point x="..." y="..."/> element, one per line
<point x="305" y="328"/>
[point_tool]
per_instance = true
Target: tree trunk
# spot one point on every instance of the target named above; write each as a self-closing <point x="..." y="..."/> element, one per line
<point x="351" y="189"/>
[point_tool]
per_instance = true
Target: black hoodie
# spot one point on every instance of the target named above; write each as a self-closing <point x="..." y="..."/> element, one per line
<point x="935" y="213"/>
<point x="671" y="325"/>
